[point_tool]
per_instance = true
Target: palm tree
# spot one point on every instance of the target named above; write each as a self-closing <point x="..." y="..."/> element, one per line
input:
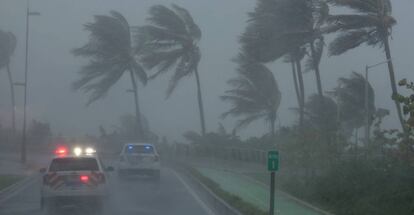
<point x="288" y="27"/>
<point x="7" y="46"/>
<point x="170" y="42"/>
<point x="370" y="24"/>
<point x="295" y="58"/>
<point x="254" y="95"/>
<point x="351" y="101"/>
<point x="111" y="55"/>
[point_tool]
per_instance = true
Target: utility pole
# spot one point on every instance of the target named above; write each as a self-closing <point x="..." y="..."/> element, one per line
<point x="23" y="146"/>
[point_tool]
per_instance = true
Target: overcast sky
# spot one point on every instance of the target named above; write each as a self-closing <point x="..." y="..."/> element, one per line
<point x="52" y="68"/>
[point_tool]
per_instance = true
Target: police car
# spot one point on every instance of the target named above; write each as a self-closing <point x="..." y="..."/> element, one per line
<point x="74" y="178"/>
<point x="139" y="159"/>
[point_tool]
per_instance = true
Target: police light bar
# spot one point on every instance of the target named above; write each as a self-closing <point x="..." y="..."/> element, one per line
<point x="61" y="151"/>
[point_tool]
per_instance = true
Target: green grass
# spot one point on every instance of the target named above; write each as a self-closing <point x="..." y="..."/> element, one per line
<point x="7" y="180"/>
<point x="253" y="193"/>
<point x="231" y="199"/>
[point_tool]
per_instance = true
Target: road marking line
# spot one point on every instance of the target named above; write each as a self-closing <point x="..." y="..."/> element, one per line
<point x="196" y="197"/>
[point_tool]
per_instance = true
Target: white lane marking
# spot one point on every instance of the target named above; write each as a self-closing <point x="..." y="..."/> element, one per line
<point x="195" y="196"/>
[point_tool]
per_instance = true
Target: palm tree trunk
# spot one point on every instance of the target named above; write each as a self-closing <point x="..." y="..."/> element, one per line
<point x="200" y="104"/>
<point x="393" y="83"/>
<point x="302" y="95"/>
<point x="317" y="71"/>
<point x="272" y="127"/>
<point x="295" y="82"/>
<point x="12" y="100"/>
<point x="140" y="134"/>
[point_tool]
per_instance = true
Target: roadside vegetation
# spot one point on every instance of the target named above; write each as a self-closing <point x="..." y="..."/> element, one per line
<point x="7" y="180"/>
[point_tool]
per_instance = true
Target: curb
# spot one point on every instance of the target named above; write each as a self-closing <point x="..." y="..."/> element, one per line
<point x="14" y="189"/>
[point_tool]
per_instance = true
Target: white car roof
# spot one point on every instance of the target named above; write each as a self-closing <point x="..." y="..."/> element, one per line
<point x="138" y="144"/>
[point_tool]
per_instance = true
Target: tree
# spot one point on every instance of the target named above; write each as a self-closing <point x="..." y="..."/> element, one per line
<point x="170" y="43"/>
<point x="370" y="24"/>
<point x="7" y="46"/>
<point x="111" y="55"/>
<point x="286" y="28"/>
<point x="350" y="96"/>
<point x="254" y="94"/>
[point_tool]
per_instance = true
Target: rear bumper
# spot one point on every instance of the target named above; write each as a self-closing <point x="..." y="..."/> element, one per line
<point x="124" y="166"/>
<point x="67" y="193"/>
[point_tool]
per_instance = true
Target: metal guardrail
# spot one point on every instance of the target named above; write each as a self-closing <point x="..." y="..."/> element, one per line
<point x="219" y="206"/>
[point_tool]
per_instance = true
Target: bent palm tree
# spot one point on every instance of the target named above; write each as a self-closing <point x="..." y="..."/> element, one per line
<point x="370" y="25"/>
<point x="7" y="46"/>
<point x="111" y="56"/>
<point x="169" y="42"/>
<point x="255" y="94"/>
<point x="351" y="101"/>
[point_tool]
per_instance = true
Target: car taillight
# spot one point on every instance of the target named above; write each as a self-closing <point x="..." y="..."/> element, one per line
<point x="156" y="158"/>
<point x="84" y="178"/>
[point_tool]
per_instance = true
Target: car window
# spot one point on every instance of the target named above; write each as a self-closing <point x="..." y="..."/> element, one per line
<point x="140" y="149"/>
<point x="74" y="164"/>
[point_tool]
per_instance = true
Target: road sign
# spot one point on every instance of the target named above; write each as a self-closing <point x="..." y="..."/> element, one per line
<point x="273" y="161"/>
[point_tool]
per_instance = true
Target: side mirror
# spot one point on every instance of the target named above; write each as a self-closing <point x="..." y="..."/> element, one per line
<point x="109" y="169"/>
<point x="42" y="170"/>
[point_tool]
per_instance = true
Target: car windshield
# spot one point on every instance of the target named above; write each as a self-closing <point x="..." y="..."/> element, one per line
<point x="74" y="164"/>
<point x="139" y="149"/>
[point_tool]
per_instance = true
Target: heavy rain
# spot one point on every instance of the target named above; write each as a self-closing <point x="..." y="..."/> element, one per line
<point x="192" y="107"/>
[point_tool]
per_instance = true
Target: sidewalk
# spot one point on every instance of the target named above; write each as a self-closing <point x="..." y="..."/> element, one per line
<point x="250" y="182"/>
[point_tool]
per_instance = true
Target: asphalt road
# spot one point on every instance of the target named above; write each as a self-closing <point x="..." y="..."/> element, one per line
<point x="135" y="195"/>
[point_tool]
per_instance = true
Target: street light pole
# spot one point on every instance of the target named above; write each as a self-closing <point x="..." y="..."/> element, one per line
<point x="366" y="106"/>
<point x="367" y="112"/>
<point x="23" y="146"/>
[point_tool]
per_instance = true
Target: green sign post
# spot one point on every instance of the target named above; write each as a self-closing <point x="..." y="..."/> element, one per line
<point x="272" y="166"/>
<point x="273" y="161"/>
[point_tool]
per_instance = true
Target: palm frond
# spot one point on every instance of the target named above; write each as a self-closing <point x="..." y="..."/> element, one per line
<point x="362" y="6"/>
<point x="192" y="28"/>
<point x="348" y="40"/>
<point x="254" y="93"/>
<point x="165" y="18"/>
<point x="350" y="22"/>
<point x="110" y="52"/>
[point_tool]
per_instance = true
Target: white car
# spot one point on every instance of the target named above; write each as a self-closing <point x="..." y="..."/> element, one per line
<point x="77" y="179"/>
<point x="139" y="159"/>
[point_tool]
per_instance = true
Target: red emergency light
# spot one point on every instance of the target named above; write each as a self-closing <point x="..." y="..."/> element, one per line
<point x="61" y="151"/>
<point x="84" y="178"/>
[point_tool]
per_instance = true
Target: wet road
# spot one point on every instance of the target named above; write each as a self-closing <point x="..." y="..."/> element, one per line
<point x="138" y="196"/>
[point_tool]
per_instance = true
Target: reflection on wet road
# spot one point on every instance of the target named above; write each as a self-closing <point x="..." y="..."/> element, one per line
<point x="133" y="195"/>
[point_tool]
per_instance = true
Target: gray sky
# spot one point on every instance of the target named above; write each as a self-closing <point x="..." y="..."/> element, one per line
<point x="59" y="29"/>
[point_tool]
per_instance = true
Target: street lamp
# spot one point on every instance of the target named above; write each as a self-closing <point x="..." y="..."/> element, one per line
<point x="367" y="117"/>
<point x="23" y="146"/>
